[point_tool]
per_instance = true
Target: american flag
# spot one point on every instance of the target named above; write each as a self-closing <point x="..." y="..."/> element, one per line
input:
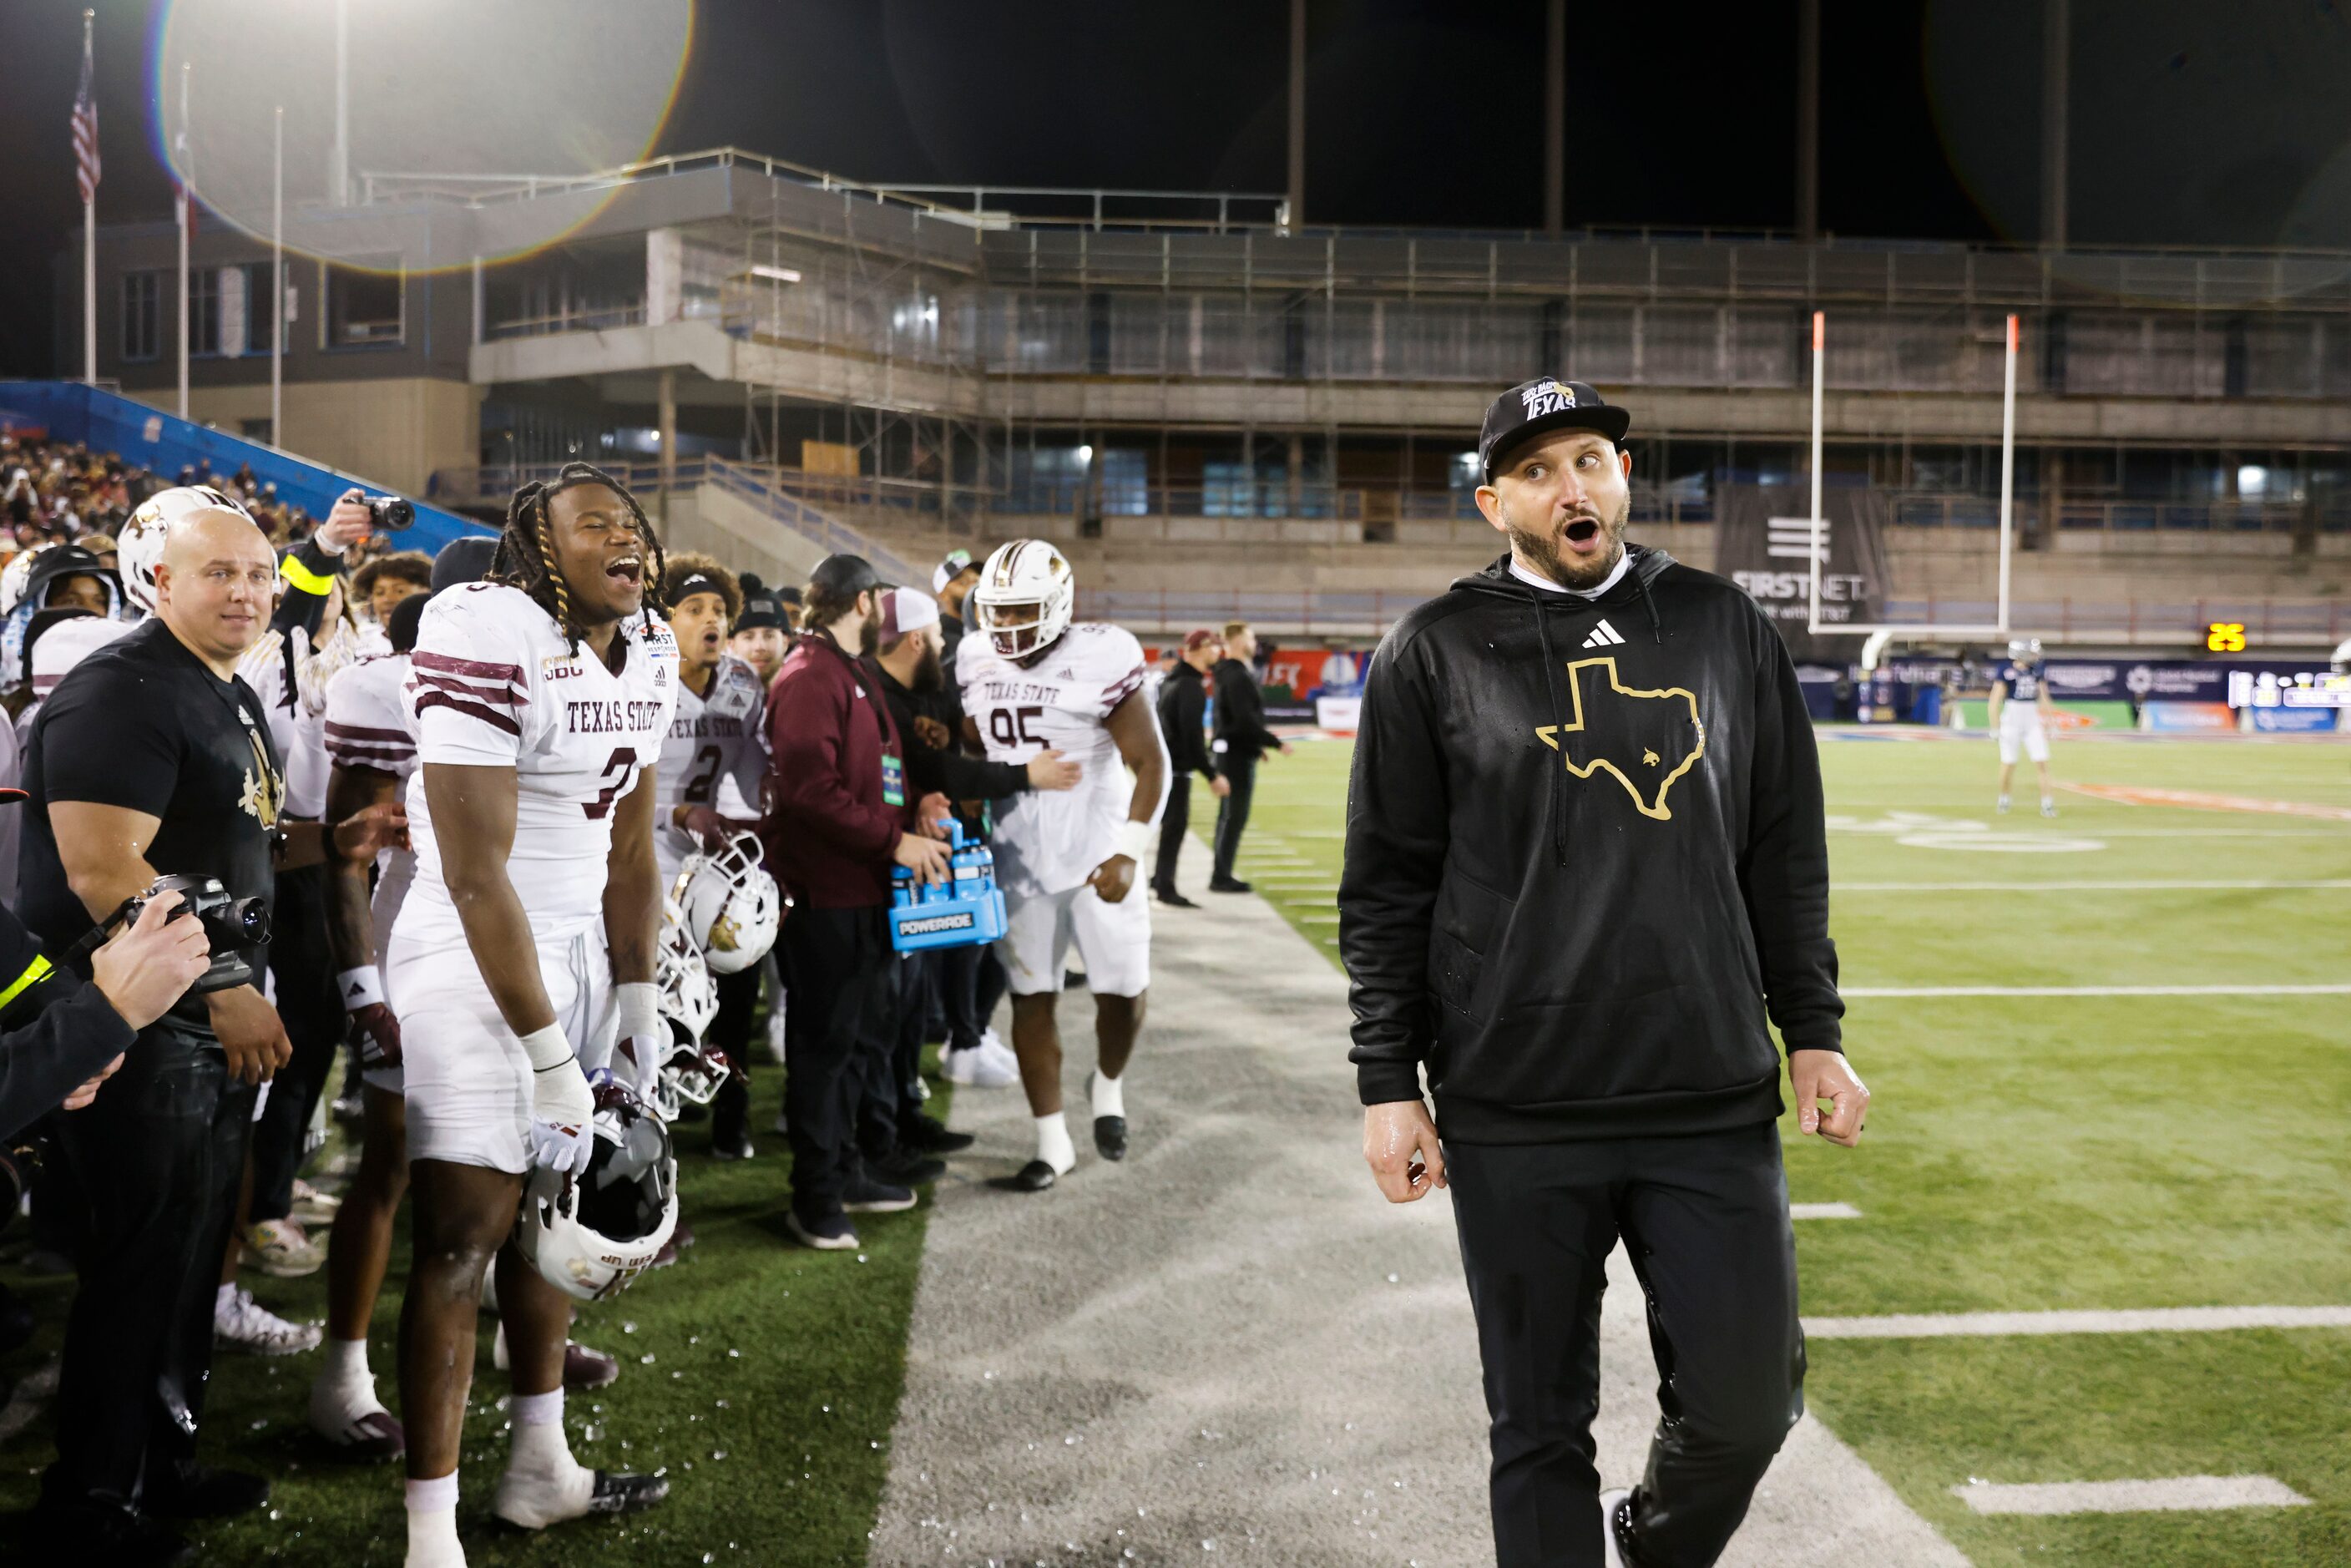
<point x="84" y="130"/>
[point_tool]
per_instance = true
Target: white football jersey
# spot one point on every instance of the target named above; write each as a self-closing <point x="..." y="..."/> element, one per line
<point x="711" y="738"/>
<point x="366" y="726"/>
<point x="493" y="682"/>
<point x="1051" y="840"/>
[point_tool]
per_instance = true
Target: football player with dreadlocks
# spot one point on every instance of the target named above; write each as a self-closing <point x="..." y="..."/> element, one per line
<point x="539" y="700"/>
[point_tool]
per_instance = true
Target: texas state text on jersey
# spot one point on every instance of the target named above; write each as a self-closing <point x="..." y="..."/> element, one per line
<point x="493" y="682"/>
<point x="1048" y="841"/>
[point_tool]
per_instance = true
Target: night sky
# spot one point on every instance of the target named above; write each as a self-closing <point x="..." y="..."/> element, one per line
<point x="2194" y="121"/>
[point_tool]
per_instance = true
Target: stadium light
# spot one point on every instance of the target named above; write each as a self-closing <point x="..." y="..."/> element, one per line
<point x="775" y="274"/>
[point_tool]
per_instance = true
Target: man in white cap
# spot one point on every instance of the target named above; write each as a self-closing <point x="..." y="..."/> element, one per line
<point x="951" y="582"/>
<point x="929" y="710"/>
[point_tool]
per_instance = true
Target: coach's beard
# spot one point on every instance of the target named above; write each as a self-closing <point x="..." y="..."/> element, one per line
<point x="1542" y="553"/>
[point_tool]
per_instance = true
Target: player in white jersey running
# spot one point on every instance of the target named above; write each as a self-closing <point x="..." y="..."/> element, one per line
<point x="1032" y="681"/>
<point x="539" y="701"/>
<point x="2016" y="697"/>
<point x="716" y="736"/>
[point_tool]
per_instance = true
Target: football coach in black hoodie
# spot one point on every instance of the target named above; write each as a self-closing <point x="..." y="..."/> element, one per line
<point x="1585" y="861"/>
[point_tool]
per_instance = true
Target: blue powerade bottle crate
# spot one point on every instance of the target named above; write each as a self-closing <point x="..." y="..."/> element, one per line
<point x="962" y="912"/>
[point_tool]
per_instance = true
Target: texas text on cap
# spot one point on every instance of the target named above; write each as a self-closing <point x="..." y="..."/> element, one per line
<point x="957" y="562"/>
<point x="846" y="575"/>
<point x="1531" y="408"/>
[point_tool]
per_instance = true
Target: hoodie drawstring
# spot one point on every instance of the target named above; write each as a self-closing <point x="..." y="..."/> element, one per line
<point x="1559" y="730"/>
<point x="1641" y="587"/>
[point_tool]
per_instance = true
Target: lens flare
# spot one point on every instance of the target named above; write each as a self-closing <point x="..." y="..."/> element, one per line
<point x="435" y="135"/>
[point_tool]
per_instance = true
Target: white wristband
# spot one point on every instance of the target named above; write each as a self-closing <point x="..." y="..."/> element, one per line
<point x="360" y="988"/>
<point x="640" y="1008"/>
<point x="546" y="1048"/>
<point x="1135" y="839"/>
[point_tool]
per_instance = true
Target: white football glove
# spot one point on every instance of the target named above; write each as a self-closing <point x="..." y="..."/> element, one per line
<point x="562" y="1110"/>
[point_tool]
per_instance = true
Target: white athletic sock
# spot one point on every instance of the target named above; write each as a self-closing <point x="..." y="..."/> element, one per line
<point x="1108" y="1098"/>
<point x="225" y="1298"/>
<point x="433" y="1524"/>
<point x="536" y="1409"/>
<point x="1053" y="1145"/>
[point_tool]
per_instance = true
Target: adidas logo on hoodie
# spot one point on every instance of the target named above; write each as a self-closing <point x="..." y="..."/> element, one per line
<point x="1603" y="636"/>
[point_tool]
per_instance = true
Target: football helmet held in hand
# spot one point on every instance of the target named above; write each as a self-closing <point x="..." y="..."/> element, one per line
<point x="591" y="1233"/>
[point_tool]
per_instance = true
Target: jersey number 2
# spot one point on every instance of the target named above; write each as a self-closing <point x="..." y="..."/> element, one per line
<point x="1010" y="725"/>
<point x="616" y="768"/>
<point x="704" y="781"/>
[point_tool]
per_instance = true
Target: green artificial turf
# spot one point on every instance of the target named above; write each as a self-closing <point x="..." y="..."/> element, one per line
<point x="2029" y="1154"/>
<point x="762" y="1376"/>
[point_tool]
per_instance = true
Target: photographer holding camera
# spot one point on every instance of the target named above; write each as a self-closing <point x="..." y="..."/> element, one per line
<point x="151" y="764"/>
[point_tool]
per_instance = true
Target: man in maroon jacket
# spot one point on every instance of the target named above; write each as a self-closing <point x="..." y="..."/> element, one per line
<point x="839" y="817"/>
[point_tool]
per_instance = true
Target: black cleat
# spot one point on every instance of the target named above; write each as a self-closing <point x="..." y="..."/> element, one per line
<point x="1110" y="1138"/>
<point x="1034" y="1176"/>
<point x="621" y="1492"/>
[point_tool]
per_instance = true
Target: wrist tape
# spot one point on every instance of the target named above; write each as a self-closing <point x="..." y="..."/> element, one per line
<point x="638" y="1002"/>
<point x="1135" y="841"/>
<point x="547" y="1048"/>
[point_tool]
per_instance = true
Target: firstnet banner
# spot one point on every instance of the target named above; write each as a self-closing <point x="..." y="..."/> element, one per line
<point x="1770" y="555"/>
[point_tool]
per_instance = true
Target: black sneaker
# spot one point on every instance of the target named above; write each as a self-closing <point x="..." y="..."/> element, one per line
<point x="1172" y="899"/>
<point x="617" y="1491"/>
<point x="1229" y="885"/>
<point x="832" y="1233"/>
<point x="200" y="1491"/>
<point x="93" y="1536"/>
<point x="929" y="1135"/>
<point x="906" y="1167"/>
<point x="864" y="1195"/>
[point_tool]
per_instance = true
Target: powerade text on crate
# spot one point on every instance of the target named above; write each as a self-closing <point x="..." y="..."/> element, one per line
<point x="966" y="909"/>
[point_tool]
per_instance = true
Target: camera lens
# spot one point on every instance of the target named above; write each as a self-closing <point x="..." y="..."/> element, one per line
<point x="252" y="919"/>
<point x="391" y="512"/>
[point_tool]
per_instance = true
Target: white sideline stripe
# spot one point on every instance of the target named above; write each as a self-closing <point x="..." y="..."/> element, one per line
<point x="2179" y="1493"/>
<point x="2254" y="885"/>
<point x="2329" y="991"/>
<point x="2135" y="1320"/>
<point x="1823" y="1211"/>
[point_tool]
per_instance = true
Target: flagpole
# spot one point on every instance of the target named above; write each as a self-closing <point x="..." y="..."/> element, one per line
<point x="277" y="293"/>
<point x="88" y="239"/>
<point x="184" y="196"/>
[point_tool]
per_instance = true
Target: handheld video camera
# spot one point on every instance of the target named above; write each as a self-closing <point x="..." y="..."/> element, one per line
<point x="230" y="925"/>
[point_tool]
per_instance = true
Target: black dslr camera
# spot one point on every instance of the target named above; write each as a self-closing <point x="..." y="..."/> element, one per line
<point x="392" y="513"/>
<point x="230" y="924"/>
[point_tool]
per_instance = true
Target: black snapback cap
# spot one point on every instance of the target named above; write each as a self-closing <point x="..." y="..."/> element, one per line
<point x="1545" y="404"/>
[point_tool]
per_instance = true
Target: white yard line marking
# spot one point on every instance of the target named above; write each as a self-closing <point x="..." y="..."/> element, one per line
<point x="2138" y="1320"/>
<point x="1913" y="991"/>
<point x="1317" y="919"/>
<point x="2248" y="885"/>
<point x="2175" y="1494"/>
<point x="1823" y="1211"/>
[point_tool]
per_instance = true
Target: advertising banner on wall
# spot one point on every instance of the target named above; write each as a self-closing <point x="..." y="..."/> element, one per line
<point x="1770" y="555"/>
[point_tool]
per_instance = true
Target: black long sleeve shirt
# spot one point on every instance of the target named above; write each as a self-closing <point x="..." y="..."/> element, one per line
<point x="1241" y="713"/>
<point x="1182" y="713"/>
<point x="56" y="1031"/>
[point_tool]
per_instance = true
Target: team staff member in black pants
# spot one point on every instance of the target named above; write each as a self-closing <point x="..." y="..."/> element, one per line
<point x="1183" y="723"/>
<point x="1241" y="738"/>
<point x="1576" y="884"/>
<point x="840" y="814"/>
<point x="152" y="757"/>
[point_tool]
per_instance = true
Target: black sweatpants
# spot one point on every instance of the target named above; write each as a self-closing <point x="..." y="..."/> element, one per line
<point x="841" y="975"/>
<point x="1233" y="810"/>
<point x="918" y="981"/>
<point x="730" y="1032"/>
<point x="1705" y="1219"/>
<point x="302" y="970"/>
<point x="972" y="982"/>
<point x="155" y="1162"/>
<point x="1174" y="820"/>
